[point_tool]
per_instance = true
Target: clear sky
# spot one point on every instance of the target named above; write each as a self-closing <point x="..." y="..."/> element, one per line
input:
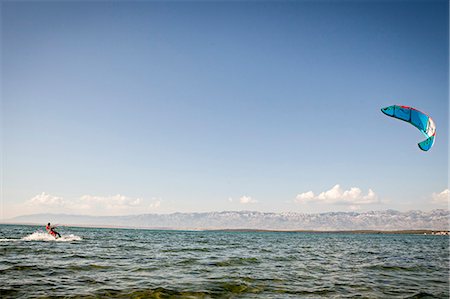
<point x="132" y="107"/>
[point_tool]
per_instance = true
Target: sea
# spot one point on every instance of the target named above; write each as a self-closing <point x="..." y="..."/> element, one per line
<point x="138" y="263"/>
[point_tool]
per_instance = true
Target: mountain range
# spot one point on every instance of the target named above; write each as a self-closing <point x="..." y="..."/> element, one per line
<point x="330" y="221"/>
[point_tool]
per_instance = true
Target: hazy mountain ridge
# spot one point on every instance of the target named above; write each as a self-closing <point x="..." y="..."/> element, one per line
<point x="373" y="220"/>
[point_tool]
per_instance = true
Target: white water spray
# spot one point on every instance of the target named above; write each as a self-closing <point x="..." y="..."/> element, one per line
<point x="42" y="236"/>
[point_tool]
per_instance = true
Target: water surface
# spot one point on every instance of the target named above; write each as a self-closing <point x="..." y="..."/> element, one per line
<point x="93" y="262"/>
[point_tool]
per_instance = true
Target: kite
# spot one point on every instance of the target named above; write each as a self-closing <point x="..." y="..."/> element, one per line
<point x="418" y="119"/>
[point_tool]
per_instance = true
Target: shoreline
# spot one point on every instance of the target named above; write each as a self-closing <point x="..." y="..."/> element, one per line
<point x="364" y="231"/>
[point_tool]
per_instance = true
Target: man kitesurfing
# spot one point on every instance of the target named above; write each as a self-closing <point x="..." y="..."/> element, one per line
<point x="51" y="230"/>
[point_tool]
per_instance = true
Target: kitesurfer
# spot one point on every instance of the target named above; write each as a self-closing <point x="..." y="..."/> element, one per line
<point x="51" y="230"/>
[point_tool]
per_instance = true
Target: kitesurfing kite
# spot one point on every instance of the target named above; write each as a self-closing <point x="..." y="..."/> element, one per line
<point x="418" y="119"/>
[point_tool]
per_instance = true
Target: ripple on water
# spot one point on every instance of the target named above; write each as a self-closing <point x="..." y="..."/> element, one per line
<point x="236" y="261"/>
<point x="187" y="250"/>
<point x="18" y="269"/>
<point x="88" y="267"/>
<point x="395" y="268"/>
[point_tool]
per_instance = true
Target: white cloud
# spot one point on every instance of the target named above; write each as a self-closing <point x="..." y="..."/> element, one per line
<point x="247" y="199"/>
<point x="243" y="200"/>
<point x="111" y="202"/>
<point x="304" y="197"/>
<point x="115" y="204"/>
<point x="336" y="195"/>
<point x="441" y="198"/>
<point x="91" y="204"/>
<point x="45" y="199"/>
<point x="156" y="203"/>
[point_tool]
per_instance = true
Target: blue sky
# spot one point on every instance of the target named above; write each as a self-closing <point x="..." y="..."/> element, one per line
<point x="130" y="107"/>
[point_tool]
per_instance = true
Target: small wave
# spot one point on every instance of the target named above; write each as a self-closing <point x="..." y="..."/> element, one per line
<point x="236" y="262"/>
<point x="9" y="240"/>
<point x="22" y="268"/>
<point x="422" y="295"/>
<point x="41" y="236"/>
<point x="152" y="293"/>
<point x="88" y="267"/>
<point x="187" y="250"/>
<point x="394" y="268"/>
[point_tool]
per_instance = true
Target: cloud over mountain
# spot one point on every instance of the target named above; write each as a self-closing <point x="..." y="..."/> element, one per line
<point x="442" y="197"/>
<point x="91" y="204"/>
<point x="336" y="195"/>
<point x="244" y="200"/>
<point x="45" y="199"/>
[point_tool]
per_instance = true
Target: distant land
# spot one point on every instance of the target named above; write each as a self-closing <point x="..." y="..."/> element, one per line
<point x="388" y="220"/>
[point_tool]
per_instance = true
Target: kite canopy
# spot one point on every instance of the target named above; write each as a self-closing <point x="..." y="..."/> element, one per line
<point x="418" y="119"/>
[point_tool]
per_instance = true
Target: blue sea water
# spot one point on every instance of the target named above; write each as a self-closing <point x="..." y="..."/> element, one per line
<point x="126" y="263"/>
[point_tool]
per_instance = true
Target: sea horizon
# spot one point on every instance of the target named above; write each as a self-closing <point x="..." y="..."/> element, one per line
<point x="355" y="231"/>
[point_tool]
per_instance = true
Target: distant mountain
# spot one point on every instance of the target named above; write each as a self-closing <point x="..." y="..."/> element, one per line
<point x="374" y="220"/>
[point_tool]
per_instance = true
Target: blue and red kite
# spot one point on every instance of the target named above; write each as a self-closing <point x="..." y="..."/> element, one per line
<point x="418" y="119"/>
